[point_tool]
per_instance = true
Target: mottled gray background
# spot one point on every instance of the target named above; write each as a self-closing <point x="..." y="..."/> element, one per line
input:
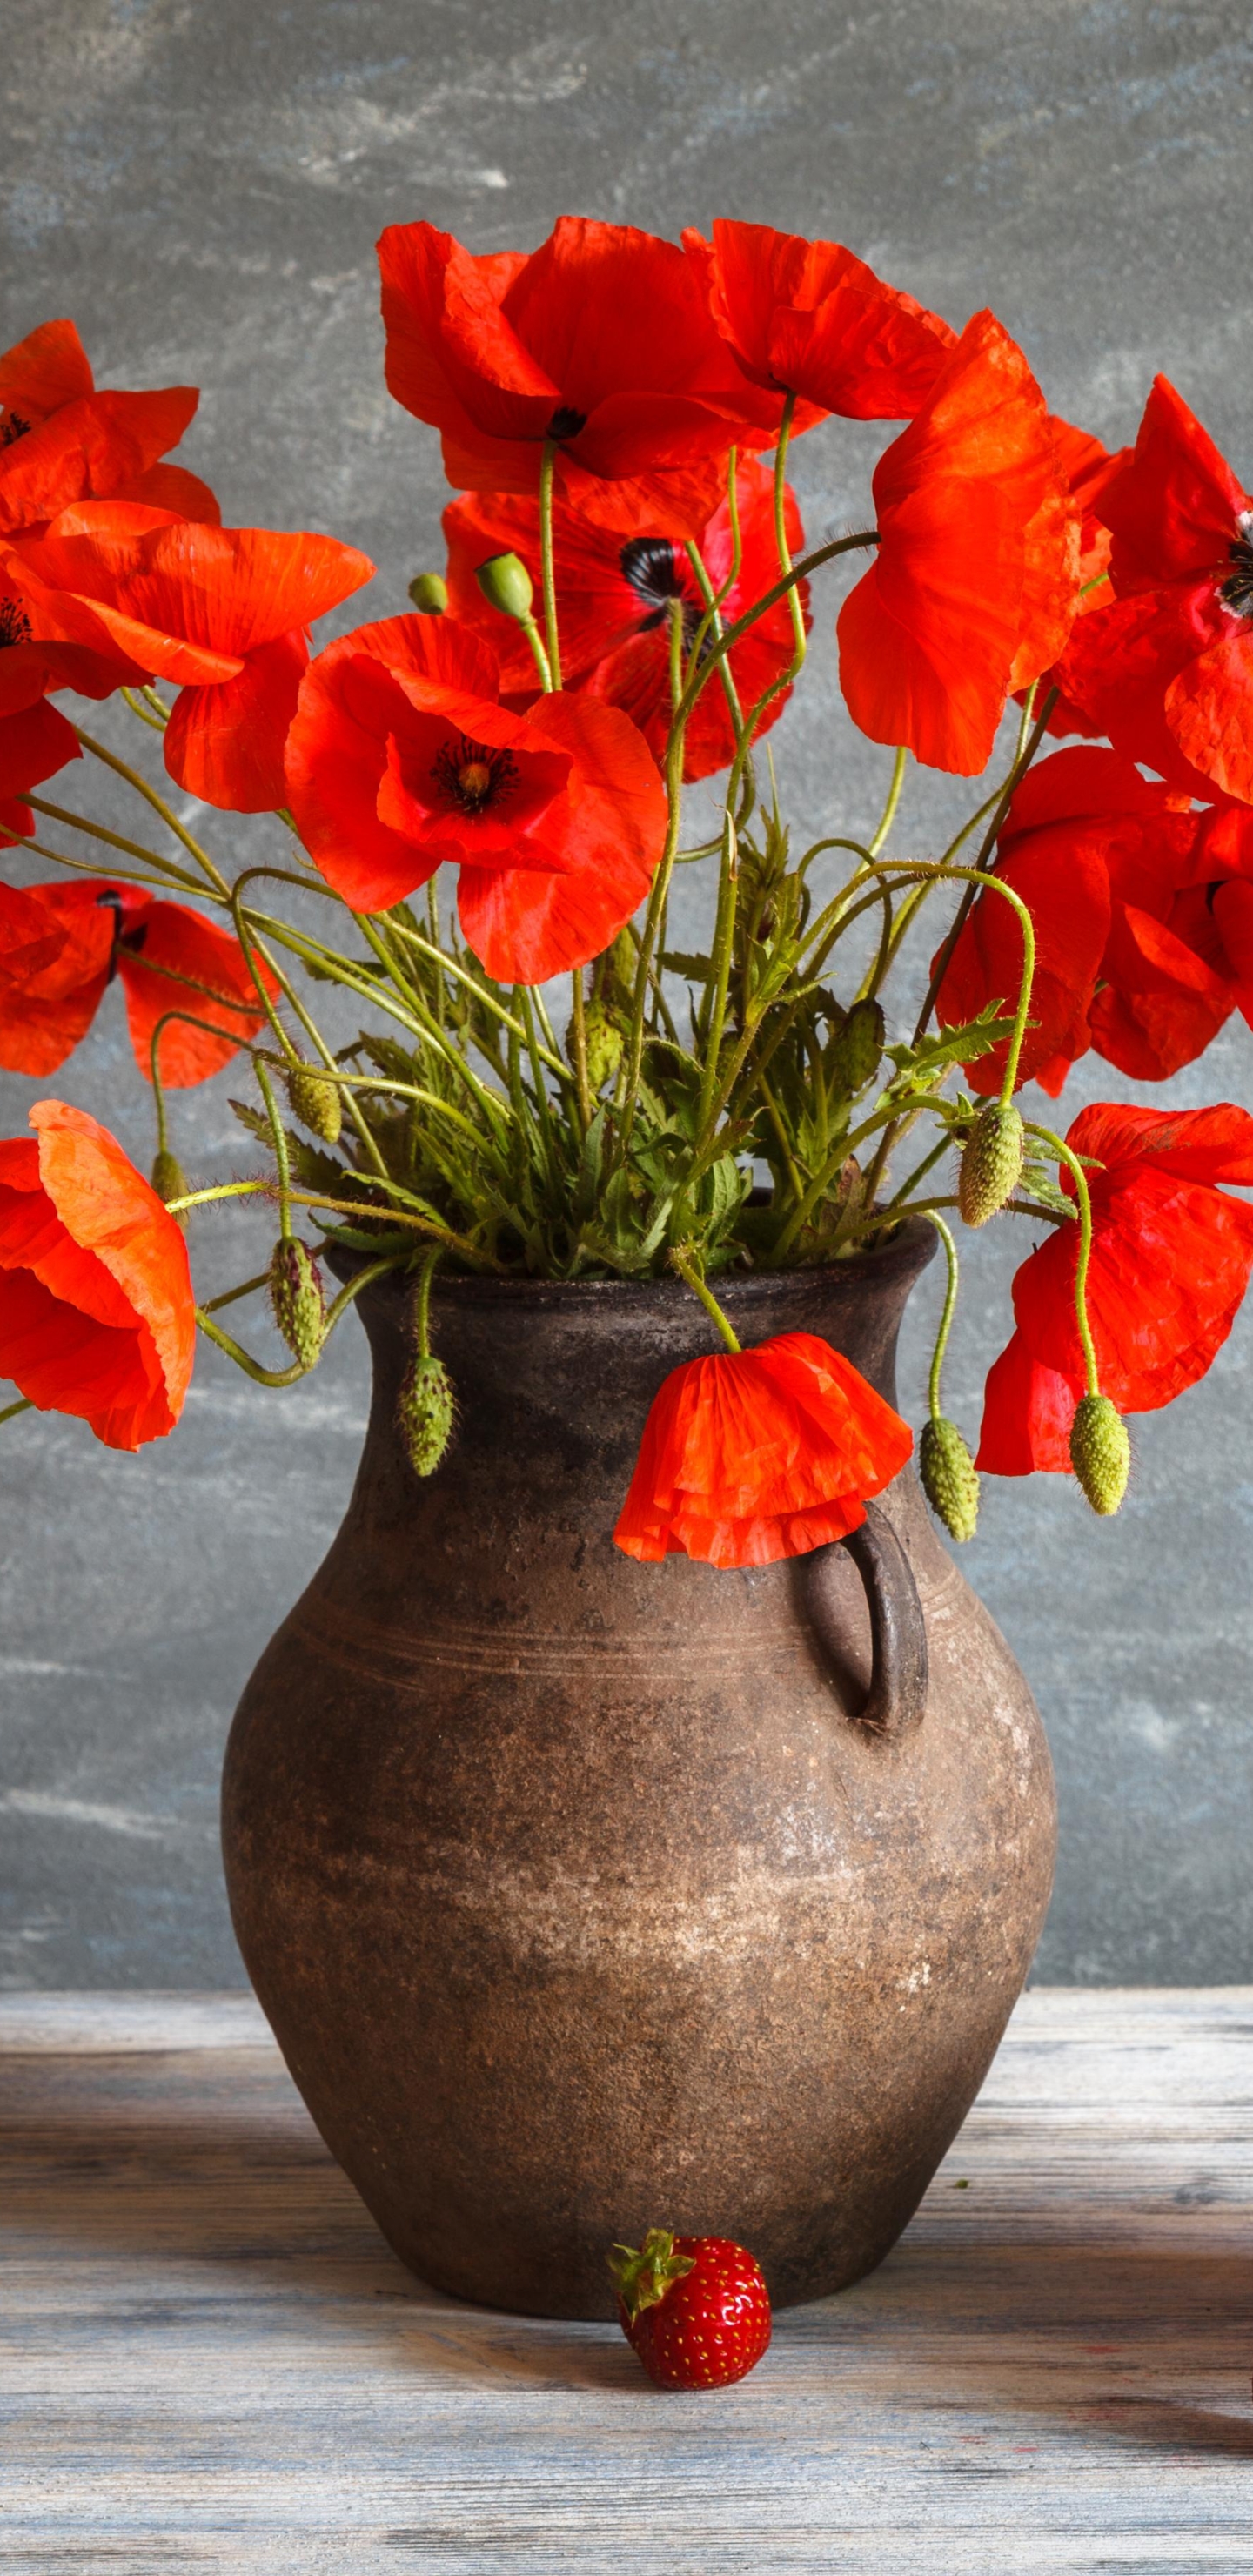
<point x="200" y="182"/>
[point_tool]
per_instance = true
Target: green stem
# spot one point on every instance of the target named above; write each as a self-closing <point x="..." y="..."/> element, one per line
<point x="279" y="1137"/>
<point x="231" y="1296"/>
<point x="158" y="804"/>
<point x="538" y="655"/>
<point x="422" y="1300"/>
<point x="171" y="873"/>
<point x="692" y="1277"/>
<point x="25" y="1404"/>
<point x="578" y="1049"/>
<point x="547" y="574"/>
<point x="628" y="1092"/>
<point x="894" y="797"/>
<point x="950" y="1303"/>
<point x="723" y="949"/>
<point x="986" y="847"/>
<point x="1075" y="1168"/>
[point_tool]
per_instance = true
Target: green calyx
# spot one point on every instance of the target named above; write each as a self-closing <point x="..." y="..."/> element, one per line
<point x="991" y="1161"/>
<point x="426" y="1409"/>
<point x="949" y="1477"/>
<point x="429" y="593"/>
<point x="643" y="2275"/>
<point x="169" y="1180"/>
<point x="297" y="1299"/>
<point x="506" y="584"/>
<point x="1100" y="1452"/>
<point x="315" y="1101"/>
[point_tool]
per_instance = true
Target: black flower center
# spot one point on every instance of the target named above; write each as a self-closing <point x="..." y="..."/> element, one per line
<point x="566" y="423"/>
<point x="649" y="564"/>
<point x="473" y="774"/>
<point x="13" y="427"/>
<point x="14" y="623"/>
<point x="1237" y="589"/>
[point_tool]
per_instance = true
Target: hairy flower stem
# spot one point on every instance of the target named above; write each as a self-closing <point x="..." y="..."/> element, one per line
<point x="278" y="1135"/>
<point x="723" y="952"/>
<point x="548" y="579"/>
<point x="1021" y="765"/>
<point x="171" y="873"/>
<point x="133" y="777"/>
<point x="888" y="816"/>
<point x="946" y="1319"/>
<point x="691" y="1276"/>
<point x="243" y="1359"/>
<point x="1057" y="1146"/>
<point x="578" y="1049"/>
<point x="633" y="1054"/>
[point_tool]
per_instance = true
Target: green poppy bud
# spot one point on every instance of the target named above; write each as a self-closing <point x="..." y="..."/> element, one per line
<point x="949" y="1478"/>
<point x="429" y="593"/>
<point x="991" y="1162"/>
<point x="1100" y="1452"/>
<point x="425" y="1410"/>
<point x="169" y="1180"/>
<point x="858" y="1047"/>
<point x="506" y="584"/>
<point x="297" y="1299"/>
<point x="315" y="1100"/>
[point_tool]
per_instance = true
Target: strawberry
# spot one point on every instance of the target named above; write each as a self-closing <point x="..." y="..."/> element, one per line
<point x="695" y="2308"/>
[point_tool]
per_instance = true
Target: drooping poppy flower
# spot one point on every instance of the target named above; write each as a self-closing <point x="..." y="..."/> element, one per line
<point x="1166" y="669"/>
<point x="223" y="611"/>
<point x="1099" y="855"/>
<point x="975" y="580"/>
<point x="61" y="946"/>
<point x="750" y="1456"/>
<point x="35" y="743"/>
<point x="613" y="607"/>
<point x="810" y="319"/>
<point x="97" y="1315"/>
<point x="61" y="441"/>
<point x="1171" y="1256"/>
<point x="401" y="757"/>
<point x="600" y="340"/>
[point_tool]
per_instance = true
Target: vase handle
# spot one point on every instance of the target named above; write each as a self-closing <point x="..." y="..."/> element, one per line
<point x="897" y="1696"/>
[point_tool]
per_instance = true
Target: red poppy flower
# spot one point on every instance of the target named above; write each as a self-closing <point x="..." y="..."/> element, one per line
<point x="401" y="756"/>
<point x="749" y="1456"/>
<point x="222" y="610"/>
<point x="613" y="595"/>
<point x="97" y="1315"/>
<point x="601" y="340"/>
<point x="807" y="318"/>
<point x="974" y="583"/>
<point x="61" y="441"/>
<point x="1171" y="1256"/>
<point x="62" y="944"/>
<point x="1166" y="670"/>
<point x="34" y="744"/>
<point x="1099" y="855"/>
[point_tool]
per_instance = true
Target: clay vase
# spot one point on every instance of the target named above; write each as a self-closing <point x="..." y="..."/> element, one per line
<point x="585" y="1896"/>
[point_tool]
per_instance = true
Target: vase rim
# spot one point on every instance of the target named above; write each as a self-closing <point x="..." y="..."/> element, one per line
<point x="910" y="1249"/>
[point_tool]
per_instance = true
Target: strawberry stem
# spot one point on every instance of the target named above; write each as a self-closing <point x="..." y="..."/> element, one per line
<point x="643" y="2275"/>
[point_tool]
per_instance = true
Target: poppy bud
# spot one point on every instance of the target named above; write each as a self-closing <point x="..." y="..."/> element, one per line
<point x="297" y="1299"/>
<point x="169" y="1180"/>
<point x="315" y="1100"/>
<point x="506" y="584"/>
<point x="949" y="1480"/>
<point x="991" y="1162"/>
<point x="429" y="593"/>
<point x="858" y="1047"/>
<point x="604" y="1046"/>
<point x="425" y="1411"/>
<point x="1100" y="1452"/>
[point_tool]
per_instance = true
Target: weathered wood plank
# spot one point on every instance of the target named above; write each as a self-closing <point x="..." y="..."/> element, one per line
<point x="208" y="2359"/>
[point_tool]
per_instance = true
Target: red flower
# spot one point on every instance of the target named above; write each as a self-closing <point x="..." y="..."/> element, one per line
<point x="1171" y="1256"/>
<point x="62" y="944"/>
<point x="1166" y="670"/>
<point x="1099" y="855"/>
<point x="97" y="1316"/>
<point x="601" y="340"/>
<point x="809" y="319"/>
<point x="61" y="441"/>
<point x="974" y="584"/>
<point x="749" y="1456"/>
<point x="222" y="610"/>
<point x="402" y="756"/>
<point x="34" y="743"/>
<point x="613" y="593"/>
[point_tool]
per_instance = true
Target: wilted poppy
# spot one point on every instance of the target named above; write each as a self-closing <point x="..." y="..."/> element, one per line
<point x="753" y="1455"/>
<point x="614" y="594"/>
<point x="224" y="611"/>
<point x="809" y="319"/>
<point x="1166" y="669"/>
<point x="61" y="946"/>
<point x="401" y="757"/>
<point x="1171" y="1256"/>
<point x="601" y="340"/>
<point x="975" y="579"/>
<point x="97" y="1315"/>
<point x="61" y="441"/>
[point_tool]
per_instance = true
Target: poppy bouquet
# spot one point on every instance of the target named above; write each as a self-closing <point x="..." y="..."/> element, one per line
<point x="479" y="815"/>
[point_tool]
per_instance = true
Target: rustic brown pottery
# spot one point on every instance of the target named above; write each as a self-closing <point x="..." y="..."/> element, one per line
<point x="586" y="1896"/>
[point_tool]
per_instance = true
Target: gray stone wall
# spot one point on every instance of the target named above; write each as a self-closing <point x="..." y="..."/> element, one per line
<point x="200" y="183"/>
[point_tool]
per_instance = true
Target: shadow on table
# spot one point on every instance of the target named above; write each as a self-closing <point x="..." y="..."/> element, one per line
<point x="236" y="2199"/>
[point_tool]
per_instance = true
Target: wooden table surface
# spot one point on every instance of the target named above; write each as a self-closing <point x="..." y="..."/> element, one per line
<point x="209" y="2359"/>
